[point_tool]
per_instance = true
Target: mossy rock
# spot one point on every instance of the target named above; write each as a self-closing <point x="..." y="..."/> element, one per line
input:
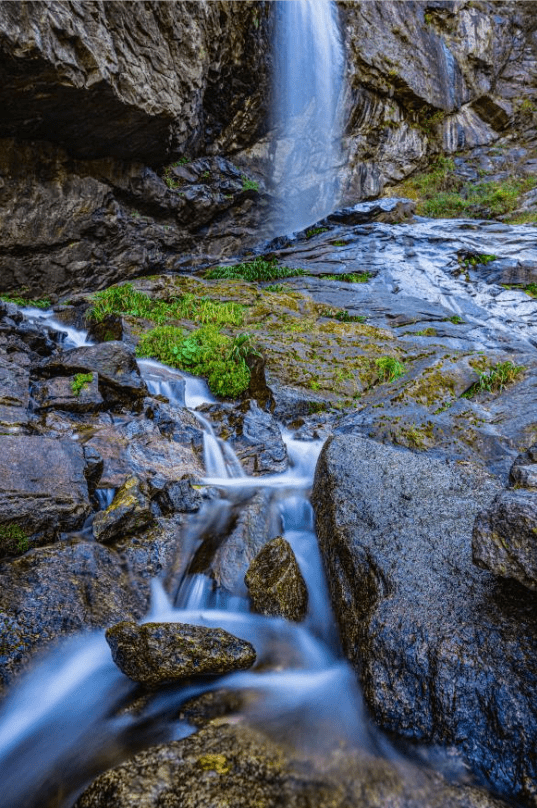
<point x="157" y="654"/>
<point x="275" y="583"/>
<point x="129" y="513"/>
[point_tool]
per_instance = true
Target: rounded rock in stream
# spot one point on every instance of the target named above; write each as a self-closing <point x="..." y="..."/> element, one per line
<point x="275" y="583"/>
<point x="157" y="654"/>
<point x="234" y="766"/>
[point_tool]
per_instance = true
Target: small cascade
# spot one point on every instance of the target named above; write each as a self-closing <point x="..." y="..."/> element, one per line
<point x="308" y="78"/>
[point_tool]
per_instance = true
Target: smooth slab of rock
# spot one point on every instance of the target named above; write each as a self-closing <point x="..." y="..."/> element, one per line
<point x="234" y="766"/>
<point x="446" y="652"/>
<point x="156" y="654"/>
<point x="129" y="512"/>
<point x="504" y="538"/>
<point x="42" y="484"/>
<point x="275" y="583"/>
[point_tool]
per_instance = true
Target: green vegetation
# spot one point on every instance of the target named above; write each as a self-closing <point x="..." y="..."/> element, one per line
<point x="439" y="193"/>
<point x="81" y="382"/>
<point x="339" y="243"/>
<point x="249" y="185"/>
<point x="496" y="379"/>
<point x="13" y="540"/>
<point x="172" y="182"/>
<point x="126" y="299"/>
<point x="25" y="301"/>
<point x="530" y="289"/>
<point x="455" y="319"/>
<point x="344" y="317"/>
<point x="314" y="231"/>
<point x="389" y="368"/>
<point x="205" y="352"/>
<point x="426" y="332"/>
<point x="468" y="260"/>
<point x="254" y="271"/>
<point x="350" y="277"/>
<point x="274" y="288"/>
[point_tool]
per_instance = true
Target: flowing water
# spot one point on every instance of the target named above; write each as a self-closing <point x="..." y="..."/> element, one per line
<point x="308" y="77"/>
<point x="63" y="723"/>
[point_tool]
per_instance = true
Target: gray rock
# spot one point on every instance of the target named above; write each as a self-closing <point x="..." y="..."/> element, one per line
<point x="275" y="584"/>
<point x="119" y="378"/>
<point x="430" y="635"/>
<point x="157" y="654"/>
<point x="54" y="592"/>
<point x="129" y="512"/>
<point x="60" y="394"/>
<point x="236" y="765"/>
<point x="43" y="488"/>
<point x="504" y="539"/>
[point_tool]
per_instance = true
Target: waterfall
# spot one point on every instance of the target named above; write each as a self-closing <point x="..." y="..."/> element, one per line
<point x="308" y="77"/>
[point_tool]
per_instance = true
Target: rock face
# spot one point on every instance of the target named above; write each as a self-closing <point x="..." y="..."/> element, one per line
<point x="157" y="654"/>
<point x="275" y="583"/>
<point x="504" y="539"/>
<point x="444" y="653"/>
<point x="235" y="765"/>
<point x="120" y="123"/>
<point x="129" y="512"/>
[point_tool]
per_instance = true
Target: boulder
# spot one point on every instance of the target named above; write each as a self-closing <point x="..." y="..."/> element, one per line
<point x="523" y="473"/>
<point x="129" y="512"/>
<point x="120" y="382"/>
<point x="234" y="765"/>
<point x="57" y="591"/>
<point x="504" y="539"/>
<point x="43" y="488"/>
<point x="445" y="652"/>
<point x="157" y="654"/>
<point x="275" y="584"/>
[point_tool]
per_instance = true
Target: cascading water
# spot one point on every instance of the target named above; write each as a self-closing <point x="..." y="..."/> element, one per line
<point x="63" y="722"/>
<point x="308" y="80"/>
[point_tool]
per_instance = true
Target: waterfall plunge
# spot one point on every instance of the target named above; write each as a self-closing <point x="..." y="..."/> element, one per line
<point x="308" y="77"/>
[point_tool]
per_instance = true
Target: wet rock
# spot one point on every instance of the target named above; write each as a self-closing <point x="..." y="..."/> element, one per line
<point x="275" y="584"/>
<point x="157" y="654"/>
<point x="176" y="496"/>
<point x="120" y="382"/>
<point x="42" y="485"/>
<point x="112" y="328"/>
<point x="57" y="591"/>
<point x="94" y="468"/>
<point x="504" y="539"/>
<point x="240" y="766"/>
<point x="256" y="522"/>
<point x="429" y="634"/>
<point x="147" y="448"/>
<point x="129" y="512"/>
<point x="523" y="473"/>
<point x="254" y="436"/>
<point x="389" y="211"/>
<point x="73" y="393"/>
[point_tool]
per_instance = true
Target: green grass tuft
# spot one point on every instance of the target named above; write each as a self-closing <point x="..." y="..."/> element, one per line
<point x="126" y="299"/>
<point x="254" y="271"/>
<point x="249" y="185"/>
<point x="495" y="379"/>
<point x="350" y="277"/>
<point x="80" y="382"/>
<point x="25" y="301"/>
<point x="314" y="231"/>
<point x="13" y="540"/>
<point x="389" y="368"/>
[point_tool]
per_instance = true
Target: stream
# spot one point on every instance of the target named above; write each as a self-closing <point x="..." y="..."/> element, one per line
<point x="66" y="720"/>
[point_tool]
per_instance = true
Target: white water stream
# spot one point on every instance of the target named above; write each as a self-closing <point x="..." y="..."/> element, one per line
<point x="61" y="724"/>
<point x="308" y="75"/>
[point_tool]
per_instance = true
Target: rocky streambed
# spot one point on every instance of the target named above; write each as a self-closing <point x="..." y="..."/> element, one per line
<point x="134" y="500"/>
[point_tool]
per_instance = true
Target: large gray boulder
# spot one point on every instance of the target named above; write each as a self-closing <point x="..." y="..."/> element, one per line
<point x="445" y="652"/>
